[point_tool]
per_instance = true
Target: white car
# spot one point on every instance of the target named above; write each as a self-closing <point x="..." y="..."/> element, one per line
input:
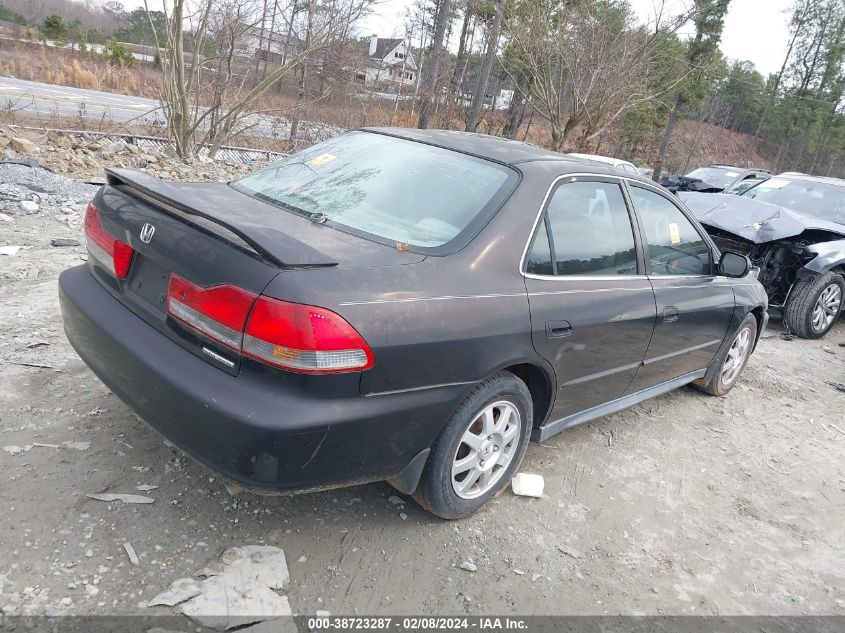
<point x="624" y="165"/>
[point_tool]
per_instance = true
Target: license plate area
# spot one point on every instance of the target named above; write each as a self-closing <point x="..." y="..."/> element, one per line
<point x="148" y="284"/>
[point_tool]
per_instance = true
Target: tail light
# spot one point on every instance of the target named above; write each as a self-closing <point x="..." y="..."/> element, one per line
<point x="304" y="338"/>
<point x="219" y="312"/>
<point x="114" y="255"/>
<point x="291" y="336"/>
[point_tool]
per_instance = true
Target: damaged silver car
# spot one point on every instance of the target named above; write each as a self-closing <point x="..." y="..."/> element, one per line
<point x="792" y="227"/>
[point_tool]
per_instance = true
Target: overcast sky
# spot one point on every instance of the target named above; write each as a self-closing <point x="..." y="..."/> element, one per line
<point x="755" y="30"/>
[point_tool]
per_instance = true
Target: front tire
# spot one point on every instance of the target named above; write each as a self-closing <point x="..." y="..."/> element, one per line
<point x="814" y="304"/>
<point x="477" y="453"/>
<point x="731" y="363"/>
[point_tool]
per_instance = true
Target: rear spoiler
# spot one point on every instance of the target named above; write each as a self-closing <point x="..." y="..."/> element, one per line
<point x="255" y="225"/>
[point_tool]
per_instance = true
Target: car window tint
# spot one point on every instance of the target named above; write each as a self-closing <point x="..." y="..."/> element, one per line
<point x="539" y="260"/>
<point x="591" y="230"/>
<point x="675" y="247"/>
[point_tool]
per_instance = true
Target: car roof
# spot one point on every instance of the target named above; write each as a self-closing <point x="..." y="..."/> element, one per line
<point x="794" y="175"/>
<point x="741" y="169"/>
<point x="496" y="148"/>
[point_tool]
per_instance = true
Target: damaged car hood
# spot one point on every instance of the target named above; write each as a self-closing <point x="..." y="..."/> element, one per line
<point x="759" y="222"/>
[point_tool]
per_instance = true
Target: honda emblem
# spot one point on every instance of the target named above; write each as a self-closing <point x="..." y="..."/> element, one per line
<point x="147" y="233"/>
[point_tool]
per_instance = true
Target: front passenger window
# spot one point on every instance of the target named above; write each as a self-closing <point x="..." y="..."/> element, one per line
<point x="675" y="247"/>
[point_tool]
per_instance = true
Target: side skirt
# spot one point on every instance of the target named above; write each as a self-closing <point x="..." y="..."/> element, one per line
<point x="546" y="431"/>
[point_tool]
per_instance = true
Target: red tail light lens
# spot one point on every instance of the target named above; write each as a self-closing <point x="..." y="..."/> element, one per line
<point x="292" y="336"/>
<point x="219" y="312"/>
<point x="114" y="255"/>
<point x="304" y="338"/>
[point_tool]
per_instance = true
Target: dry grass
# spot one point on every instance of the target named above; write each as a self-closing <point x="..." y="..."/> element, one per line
<point x="70" y="68"/>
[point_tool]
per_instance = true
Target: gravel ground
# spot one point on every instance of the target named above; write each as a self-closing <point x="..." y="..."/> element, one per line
<point x="686" y="504"/>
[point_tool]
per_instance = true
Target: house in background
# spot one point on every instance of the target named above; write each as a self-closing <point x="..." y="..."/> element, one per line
<point x="389" y="61"/>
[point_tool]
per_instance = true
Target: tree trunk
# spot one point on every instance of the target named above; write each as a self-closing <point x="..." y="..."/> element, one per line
<point x="486" y="67"/>
<point x="667" y="137"/>
<point x="457" y="75"/>
<point x="303" y="76"/>
<point x="429" y="88"/>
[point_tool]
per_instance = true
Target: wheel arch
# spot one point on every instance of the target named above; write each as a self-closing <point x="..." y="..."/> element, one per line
<point x="540" y="386"/>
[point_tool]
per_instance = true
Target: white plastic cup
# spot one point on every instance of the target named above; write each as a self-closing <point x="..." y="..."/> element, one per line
<point x="528" y="485"/>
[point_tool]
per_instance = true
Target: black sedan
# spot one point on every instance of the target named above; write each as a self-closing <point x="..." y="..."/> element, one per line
<point x="401" y="305"/>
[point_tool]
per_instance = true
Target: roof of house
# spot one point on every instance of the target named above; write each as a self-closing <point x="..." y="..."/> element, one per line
<point x="384" y="45"/>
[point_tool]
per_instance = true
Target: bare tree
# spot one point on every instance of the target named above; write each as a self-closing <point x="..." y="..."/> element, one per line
<point x="429" y="87"/>
<point x="487" y="65"/>
<point x="211" y="91"/>
<point x="588" y="64"/>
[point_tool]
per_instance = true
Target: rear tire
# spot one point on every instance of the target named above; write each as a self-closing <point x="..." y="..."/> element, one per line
<point x="731" y="362"/>
<point x="814" y="305"/>
<point x="477" y="453"/>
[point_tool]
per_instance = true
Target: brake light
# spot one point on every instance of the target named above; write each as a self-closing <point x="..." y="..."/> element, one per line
<point x="219" y="312"/>
<point x="291" y="336"/>
<point x="304" y="338"/>
<point x="114" y="255"/>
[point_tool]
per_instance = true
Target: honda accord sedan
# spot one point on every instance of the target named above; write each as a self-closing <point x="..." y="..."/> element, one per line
<point x="401" y="305"/>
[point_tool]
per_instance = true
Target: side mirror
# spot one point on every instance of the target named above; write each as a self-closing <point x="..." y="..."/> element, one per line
<point x="734" y="265"/>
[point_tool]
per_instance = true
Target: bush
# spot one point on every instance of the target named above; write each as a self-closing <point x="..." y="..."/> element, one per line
<point x="116" y="53"/>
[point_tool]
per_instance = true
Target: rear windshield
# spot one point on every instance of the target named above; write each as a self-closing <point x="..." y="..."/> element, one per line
<point x="390" y="188"/>
<point x="715" y="175"/>
<point x="819" y="199"/>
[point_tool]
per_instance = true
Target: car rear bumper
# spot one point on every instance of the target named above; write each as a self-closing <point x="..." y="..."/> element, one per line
<point x="267" y="430"/>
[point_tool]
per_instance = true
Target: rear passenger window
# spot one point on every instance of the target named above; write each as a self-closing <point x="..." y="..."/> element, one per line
<point x="675" y="247"/>
<point x="539" y="260"/>
<point x="591" y="230"/>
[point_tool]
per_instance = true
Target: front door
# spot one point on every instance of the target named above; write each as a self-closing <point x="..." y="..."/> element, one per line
<point x="592" y="312"/>
<point x="694" y="305"/>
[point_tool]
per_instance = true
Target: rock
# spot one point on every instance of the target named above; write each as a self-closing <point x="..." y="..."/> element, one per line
<point x="64" y="241"/>
<point x="468" y="566"/>
<point x="179" y="591"/>
<point x="395" y="500"/>
<point x="130" y="552"/>
<point x="263" y="564"/>
<point x="108" y="149"/>
<point x="122" y="497"/>
<point x="30" y="206"/>
<point x="228" y="601"/>
<point x="23" y="145"/>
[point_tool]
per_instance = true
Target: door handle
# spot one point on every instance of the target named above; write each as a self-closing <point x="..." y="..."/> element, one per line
<point x="557" y="329"/>
<point x="670" y="314"/>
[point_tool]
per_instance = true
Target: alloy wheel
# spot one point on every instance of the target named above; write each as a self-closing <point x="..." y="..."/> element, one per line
<point x="486" y="449"/>
<point x="827" y="307"/>
<point x="735" y="359"/>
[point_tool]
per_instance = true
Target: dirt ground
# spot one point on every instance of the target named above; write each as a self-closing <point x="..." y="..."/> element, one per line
<point x="687" y="504"/>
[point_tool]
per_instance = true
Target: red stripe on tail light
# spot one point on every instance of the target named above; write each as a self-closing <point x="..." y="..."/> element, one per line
<point x="114" y="255"/>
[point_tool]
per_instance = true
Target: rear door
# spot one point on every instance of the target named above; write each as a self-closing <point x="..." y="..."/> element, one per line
<point x="592" y="308"/>
<point x="694" y="305"/>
